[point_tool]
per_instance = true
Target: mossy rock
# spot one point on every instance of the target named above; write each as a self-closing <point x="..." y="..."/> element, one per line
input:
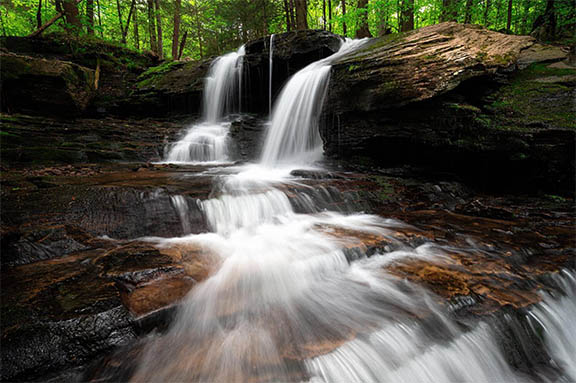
<point x="36" y="85"/>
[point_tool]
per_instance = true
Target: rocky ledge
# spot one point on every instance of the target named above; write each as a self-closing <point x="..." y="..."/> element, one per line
<point x="495" y="109"/>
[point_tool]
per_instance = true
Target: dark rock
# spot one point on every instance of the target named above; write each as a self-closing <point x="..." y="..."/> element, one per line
<point x="40" y="86"/>
<point x="444" y="98"/>
<point x="291" y="51"/>
<point x="248" y="134"/>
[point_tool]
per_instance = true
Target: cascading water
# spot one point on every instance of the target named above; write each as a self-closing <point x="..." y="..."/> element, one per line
<point x="286" y="303"/>
<point x="293" y="136"/>
<point x="208" y="140"/>
<point x="270" y="68"/>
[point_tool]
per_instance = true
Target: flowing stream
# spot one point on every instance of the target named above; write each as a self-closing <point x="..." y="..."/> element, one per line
<point x="286" y="302"/>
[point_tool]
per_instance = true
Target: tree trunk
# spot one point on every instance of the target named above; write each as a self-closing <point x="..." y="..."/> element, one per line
<point x="130" y="12"/>
<point x="152" y="27"/>
<point x="343" y="15"/>
<point x="509" y="19"/>
<point x="449" y="11"/>
<point x="407" y="16"/>
<point x="120" y="20"/>
<point x="100" y="19"/>
<point x="486" y="13"/>
<point x="39" y="15"/>
<point x="324" y="14"/>
<point x="468" y="12"/>
<point x="198" y="30"/>
<point x="525" y="14"/>
<point x="330" y="15"/>
<point x="90" y="17"/>
<point x="182" y="44"/>
<point x="136" y="31"/>
<point x="176" y="33"/>
<point x="159" y="29"/>
<point x="287" y="12"/>
<point x="71" y="13"/>
<point x="363" y="30"/>
<point x="301" y="14"/>
<point x="292" y="13"/>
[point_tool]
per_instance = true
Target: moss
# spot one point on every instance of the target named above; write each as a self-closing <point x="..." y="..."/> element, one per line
<point x="6" y="134"/>
<point x="154" y="74"/>
<point x="385" y="189"/>
<point x="526" y="101"/>
<point x="353" y="67"/>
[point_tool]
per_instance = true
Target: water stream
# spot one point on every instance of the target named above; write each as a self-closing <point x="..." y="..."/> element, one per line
<point x="287" y="304"/>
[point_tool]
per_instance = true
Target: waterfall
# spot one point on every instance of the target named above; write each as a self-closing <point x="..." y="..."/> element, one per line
<point x="286" y="302"/>
<point x="208" y="141"/>
<point x="270" y="67"/>
<point x="293" y="135"/>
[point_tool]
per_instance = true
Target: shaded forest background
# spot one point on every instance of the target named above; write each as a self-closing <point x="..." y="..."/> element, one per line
<point x="173" y="29"/>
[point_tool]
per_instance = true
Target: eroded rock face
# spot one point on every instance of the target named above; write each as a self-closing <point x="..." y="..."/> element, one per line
<point x="291" y="51"/>
<point x="447" y="98"/>
<point x="41" y="86"/>
<point x="177" y="87"/>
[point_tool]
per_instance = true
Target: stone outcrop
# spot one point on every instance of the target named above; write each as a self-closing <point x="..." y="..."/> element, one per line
<point x="291" y="51"/>
<point x="449" y="97"/>
<point x="41" y="86"/>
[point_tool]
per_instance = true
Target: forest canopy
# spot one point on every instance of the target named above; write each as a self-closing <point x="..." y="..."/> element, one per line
<point x="201" y="28"/>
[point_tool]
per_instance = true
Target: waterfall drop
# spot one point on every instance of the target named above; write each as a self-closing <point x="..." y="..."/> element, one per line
<point x="270" y="68"/>
<point x="293" y="135"/>
<point x="208" y="141"/>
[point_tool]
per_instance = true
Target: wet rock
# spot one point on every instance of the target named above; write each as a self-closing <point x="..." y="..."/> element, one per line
<point x="248" y="134"/>
<point x="291" y="52"/>
<point x="30" y="140"/>
<point x="40" y="86"/>
<point x="65" y="312"/>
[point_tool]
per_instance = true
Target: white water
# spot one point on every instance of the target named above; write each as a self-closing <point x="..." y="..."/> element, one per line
<point x="208" y="141"/>
<point x="286" y="304"/>
<point x="270" y="67"/>
<point x="557" y="317"/>
<point x="293" y="136"/>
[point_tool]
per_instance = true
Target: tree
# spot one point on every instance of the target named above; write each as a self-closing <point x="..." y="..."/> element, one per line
<point x="89" y="16"/>
<point x="545" y="25"/>
<point x="344" y="17"/>
<point x="124" y="30"/>
<point x="362" y="10"/>
<point x="407" y="15"/>
<point x="301" y="14"/>
<point x="324" y="14"/>
<point x="176" y="32"/>
<point x="39" y="14"/>
<point x="152" y="27"/>
<point x="509" y="18"/>
<point x="136" y="29"/>
<point x="70" y="11"/>
<point x="330" y="15"/>
<point x="160" y="50"/>
<point x="486" y="13"/>
<point x="468" y="12"/>
<point x="449" y="10"/>
<point x="287" y="11"/>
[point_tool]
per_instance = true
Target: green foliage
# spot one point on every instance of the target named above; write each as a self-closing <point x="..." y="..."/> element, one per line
<point x="217" y="26"/>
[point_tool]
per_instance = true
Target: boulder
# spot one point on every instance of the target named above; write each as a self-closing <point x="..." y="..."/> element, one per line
<point x="42" y="86"/>
<point x="449" y="97"/>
